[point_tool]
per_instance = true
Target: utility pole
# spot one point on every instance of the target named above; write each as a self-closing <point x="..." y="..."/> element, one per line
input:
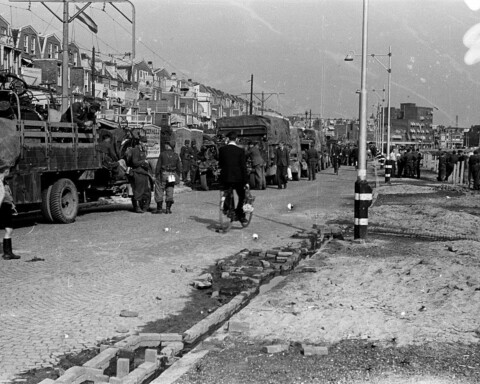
<point x="251" y="95"/>
<point x="93" y="72"/>
<point x="262" y="98"/>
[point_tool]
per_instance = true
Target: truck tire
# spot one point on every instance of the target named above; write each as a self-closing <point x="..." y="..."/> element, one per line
<point x="45" y="207"/>
<point x="64" y="201"/>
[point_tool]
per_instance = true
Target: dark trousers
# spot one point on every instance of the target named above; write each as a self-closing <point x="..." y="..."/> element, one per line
<point x="282" y="175"/>
<point x="141" y="187"/>
<point x="312" y="169"/>
<point x="239" y="188"/>
<point x="259" y="176"/>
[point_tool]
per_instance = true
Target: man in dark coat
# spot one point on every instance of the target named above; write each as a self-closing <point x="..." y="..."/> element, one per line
<point x="168" y="167"/>
<point x="282" y="160"/>
<point x="232" y="162"/>
<point x="312" y="161"/>
<point x="258" y="165"/>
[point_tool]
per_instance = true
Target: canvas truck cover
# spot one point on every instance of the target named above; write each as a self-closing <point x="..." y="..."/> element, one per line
<point x="9" y="141"/>
<point x="276" y="128"/>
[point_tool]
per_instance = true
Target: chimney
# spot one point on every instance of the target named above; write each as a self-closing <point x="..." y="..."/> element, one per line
<point x="150" y="64"/>
<point x="189" y="80"/>
<point x="174" y="76"/>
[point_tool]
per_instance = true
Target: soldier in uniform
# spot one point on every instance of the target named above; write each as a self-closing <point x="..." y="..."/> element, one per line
<point x="7" y="210"/>
<point x="474" y="169"/>
<point x="141" y="178"/>
<point x="452" y="159"/>
<point x="312" y="161"/>
<point x="442" y="166"/>
<point x="167" y="173"/>
<point x="194" y="175"/>
<point x="186" y="156"/>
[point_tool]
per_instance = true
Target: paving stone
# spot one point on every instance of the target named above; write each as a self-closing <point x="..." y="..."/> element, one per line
<point x="313" y="350"/>
<point x="276" y="348"/>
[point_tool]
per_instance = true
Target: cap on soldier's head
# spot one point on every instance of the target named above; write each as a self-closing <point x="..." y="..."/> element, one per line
<point x="187" y="141"/>
<point x="194" y="142"/>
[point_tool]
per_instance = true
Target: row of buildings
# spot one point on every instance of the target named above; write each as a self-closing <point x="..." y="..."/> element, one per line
<point x="122" y="85"/>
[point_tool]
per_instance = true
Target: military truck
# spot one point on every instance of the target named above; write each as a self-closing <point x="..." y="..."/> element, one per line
<point x="58" y="166"/>
<point x="268" y="131"/>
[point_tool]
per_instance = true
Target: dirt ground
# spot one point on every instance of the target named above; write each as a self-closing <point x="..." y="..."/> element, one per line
<point x="411" y="298"/>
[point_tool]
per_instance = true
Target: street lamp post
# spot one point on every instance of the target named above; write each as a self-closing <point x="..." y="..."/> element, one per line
<point x="363" y="192"/>
<point x="382" y="126"/>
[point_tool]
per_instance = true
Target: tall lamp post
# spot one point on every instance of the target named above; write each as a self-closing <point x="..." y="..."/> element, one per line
<point x="363" y="192"/>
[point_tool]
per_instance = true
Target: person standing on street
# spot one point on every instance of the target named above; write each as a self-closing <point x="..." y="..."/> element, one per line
<point x="282" y="161"/>
<point x="418" y="163"/>
<point x="452" y="160"/>
<point x="258" y="165"/>
<point x="474" y="169"/>
<point x="442" y="166"/>
<point x="194" y="174"/>
<point x="312" y="161"/>
<point x="335" y="153"/>
<point x="186" y="156"/>
<point x="232" y="162"/>
<point x="167" y="173"/>
<point x="142" y="194"/>
<point x="7" y="210"/>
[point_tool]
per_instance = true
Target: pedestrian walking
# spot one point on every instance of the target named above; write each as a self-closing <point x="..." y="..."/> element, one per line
<point x="282" y="161"/>
<point x="312" y="161"/>
<point x="140" y="178"/>
<point x="167" y="174"/>
<point x="7" y="211"/>
<point x="258" y="165"/>
<point x="232" y="162"/>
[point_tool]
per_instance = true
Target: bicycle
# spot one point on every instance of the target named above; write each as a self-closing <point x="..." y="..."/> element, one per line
<point x="227" y="214"/>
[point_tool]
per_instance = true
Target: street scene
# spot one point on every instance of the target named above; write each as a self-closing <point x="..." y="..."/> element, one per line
<point x="239" y="192"/>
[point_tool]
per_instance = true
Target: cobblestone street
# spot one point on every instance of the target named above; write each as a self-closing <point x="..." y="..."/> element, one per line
<point x="112" y="259"/>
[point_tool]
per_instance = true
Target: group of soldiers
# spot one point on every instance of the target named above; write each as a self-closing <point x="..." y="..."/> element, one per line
<point x="447" y="162"/>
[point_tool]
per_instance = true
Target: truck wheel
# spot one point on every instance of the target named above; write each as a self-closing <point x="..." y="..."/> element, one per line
<point x="45" y="207"/>
<point x="64" y="201"/>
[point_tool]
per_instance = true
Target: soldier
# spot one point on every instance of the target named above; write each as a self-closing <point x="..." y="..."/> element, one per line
<point x="418" y="163"/>
<point x="167" y="173"/>
<point x="335" y="153"/>
<point x="452" y="159"/>
<point x="258" y="165"/>
<point x="7" y="210"/>
<point x="194" y="176"/>
<point x="186" y="159"/>
<point x="141" y="178"/>
<point x="442" y="166"/>
<point x="410" y="160"/>
<point x="474" y="167"/>
<point x="312" y="161"/>
<point x="282" y="160"/>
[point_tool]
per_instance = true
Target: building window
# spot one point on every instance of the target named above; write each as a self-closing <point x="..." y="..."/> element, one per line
<point x="32" y="46"/>
<point x="57" y="51"/>
<point x="25" y="43"/>
<point x="50" y="51"/>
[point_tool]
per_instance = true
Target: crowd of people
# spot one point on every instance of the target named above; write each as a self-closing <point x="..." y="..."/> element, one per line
<point x="470" y="159"/>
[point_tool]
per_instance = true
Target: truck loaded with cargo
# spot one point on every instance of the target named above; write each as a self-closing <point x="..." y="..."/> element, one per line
<point x="268" y="131"/>
<point x="57" y="166"/>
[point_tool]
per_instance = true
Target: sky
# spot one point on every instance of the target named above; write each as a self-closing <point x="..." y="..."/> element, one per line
<point x="295" y="49"/>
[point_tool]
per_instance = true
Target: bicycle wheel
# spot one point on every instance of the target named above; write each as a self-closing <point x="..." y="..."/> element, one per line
<point x="225" y="220"/>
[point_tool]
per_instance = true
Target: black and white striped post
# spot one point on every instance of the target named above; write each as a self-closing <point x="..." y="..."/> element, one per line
<point x="388" y="170"/>
<point x="363" y="200"/>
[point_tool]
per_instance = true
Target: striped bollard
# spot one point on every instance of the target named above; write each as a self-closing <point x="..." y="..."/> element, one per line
<point x="363" y="200"/>
<point x="388" y="170"/>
